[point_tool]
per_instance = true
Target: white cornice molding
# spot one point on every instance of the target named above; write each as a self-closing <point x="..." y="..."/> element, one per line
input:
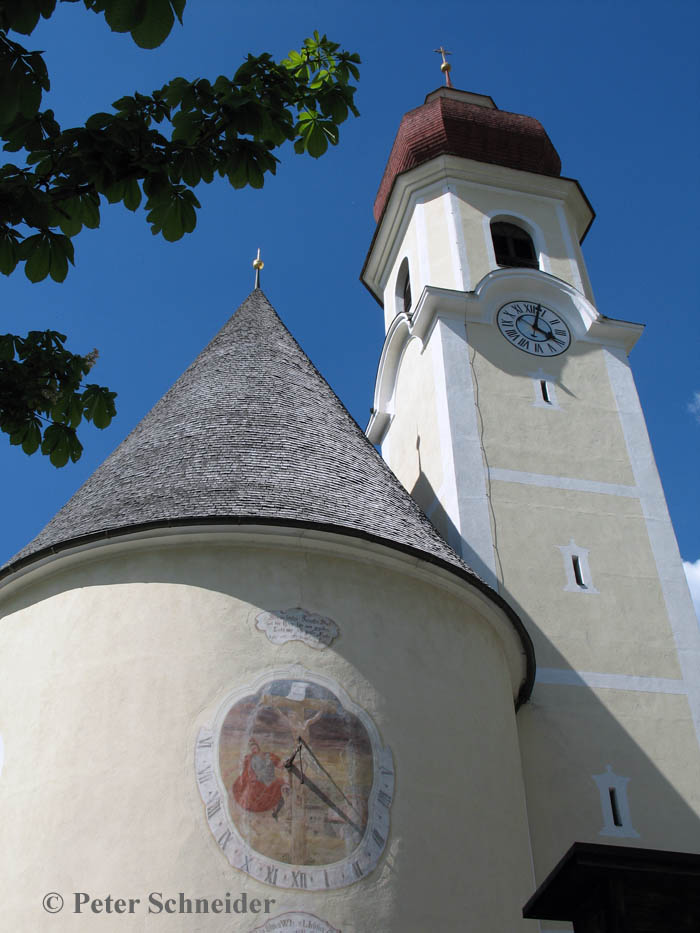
<point x="480" y="307"/>
<point x="409" y="185"/>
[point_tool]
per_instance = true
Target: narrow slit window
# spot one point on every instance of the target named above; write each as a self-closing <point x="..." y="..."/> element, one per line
<point x="614" y="807"/>
<point x="545" y="391"/>
<point x="578" y="572"/>
<point x="404" y="300"/>
<point x="614" y="804"/>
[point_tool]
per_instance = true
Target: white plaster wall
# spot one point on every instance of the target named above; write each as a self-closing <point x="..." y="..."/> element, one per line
<point x="112" y="662"/>
<point x="415" y="418"/>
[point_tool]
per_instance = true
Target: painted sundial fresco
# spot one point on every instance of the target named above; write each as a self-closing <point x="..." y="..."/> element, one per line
<point x="296" y="783"/>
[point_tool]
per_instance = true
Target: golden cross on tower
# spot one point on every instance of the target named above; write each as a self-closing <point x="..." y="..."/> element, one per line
<point x="258" y="265"/>
<point x="445" y="67"/>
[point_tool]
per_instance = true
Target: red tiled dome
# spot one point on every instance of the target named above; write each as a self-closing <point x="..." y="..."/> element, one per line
<point x="446" y="125"/>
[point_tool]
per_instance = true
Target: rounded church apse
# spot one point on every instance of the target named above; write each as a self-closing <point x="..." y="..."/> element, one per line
<point x="296" y="783"/>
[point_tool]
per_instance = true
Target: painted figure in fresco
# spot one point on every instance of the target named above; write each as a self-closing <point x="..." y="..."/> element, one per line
<point x="259" y="787"/>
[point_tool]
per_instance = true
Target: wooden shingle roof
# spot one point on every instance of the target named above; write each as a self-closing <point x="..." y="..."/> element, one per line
<point x="251" y="433"/>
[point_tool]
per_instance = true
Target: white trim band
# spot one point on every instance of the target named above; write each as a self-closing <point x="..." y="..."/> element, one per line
<point x="563" y="482"/>
<point x="569" y="678"/>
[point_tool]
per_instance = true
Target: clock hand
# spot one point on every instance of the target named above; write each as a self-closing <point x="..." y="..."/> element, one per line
<point x="290" y="766"/>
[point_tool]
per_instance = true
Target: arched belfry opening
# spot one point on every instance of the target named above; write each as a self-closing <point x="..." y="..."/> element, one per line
<point x="513" y="245"/>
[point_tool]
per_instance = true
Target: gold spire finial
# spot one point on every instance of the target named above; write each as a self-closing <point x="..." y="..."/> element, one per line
<point x="258" y="264"/>
<point x="445" y="67"/>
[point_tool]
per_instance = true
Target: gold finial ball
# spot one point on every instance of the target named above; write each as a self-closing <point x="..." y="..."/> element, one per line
<point x="258" y="264"/>
<point x="445" y="67"/>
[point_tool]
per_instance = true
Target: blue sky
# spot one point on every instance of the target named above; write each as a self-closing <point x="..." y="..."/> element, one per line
<point x="615" y="85"/>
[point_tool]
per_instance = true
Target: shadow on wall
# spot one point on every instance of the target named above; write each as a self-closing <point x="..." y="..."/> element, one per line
<point x="588" y="754"/>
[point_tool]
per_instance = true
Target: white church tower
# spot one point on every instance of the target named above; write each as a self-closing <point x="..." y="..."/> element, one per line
<point x="506" y="405"/>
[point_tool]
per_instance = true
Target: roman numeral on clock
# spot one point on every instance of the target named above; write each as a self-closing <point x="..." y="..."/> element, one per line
<point x="271" y="876"/>
<point x="213" y="807"/>
<point x="299" y="879"/>
<point x="205" y="774"/>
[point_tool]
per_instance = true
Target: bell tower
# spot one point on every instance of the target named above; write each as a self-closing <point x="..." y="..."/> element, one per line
<point x="506" y="405"/>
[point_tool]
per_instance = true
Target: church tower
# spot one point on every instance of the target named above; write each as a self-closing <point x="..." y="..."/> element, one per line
<point x="506" y="405"/>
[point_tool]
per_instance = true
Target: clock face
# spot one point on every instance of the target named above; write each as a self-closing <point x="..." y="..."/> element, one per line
<point x="296" y="784"/>
<point x="533" y="328"/>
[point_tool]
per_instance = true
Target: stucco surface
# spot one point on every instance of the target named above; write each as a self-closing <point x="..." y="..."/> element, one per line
<point x="414" y="440"/>
<point x="581" y="437"/>
<point x="569" y="734"/>
<point x="621" y="628"/>
<point x="114" y="664"/>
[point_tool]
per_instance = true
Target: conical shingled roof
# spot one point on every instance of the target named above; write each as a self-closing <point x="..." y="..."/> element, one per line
<point x="250" y="432"/>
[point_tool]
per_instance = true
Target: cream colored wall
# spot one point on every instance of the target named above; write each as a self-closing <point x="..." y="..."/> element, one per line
<point x="413" y="441"/>
<point x="479" y="204"/>
<point x="439" y="250"/>
<point x="580" y="437"/>
<point x="113" y="663"/>
<point x="569" y="734"/>
<point x="623" y="627"/>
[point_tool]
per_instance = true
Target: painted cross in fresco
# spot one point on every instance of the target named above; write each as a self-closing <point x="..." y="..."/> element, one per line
<point x="294" y="708"/>
<point x="313" y="812"/>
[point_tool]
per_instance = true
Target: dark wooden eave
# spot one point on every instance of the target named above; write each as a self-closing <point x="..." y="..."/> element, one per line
<point x="621" y="889"/>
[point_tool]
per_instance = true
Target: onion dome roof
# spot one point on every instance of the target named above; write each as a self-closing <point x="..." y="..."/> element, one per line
<point x="459" y="123"/>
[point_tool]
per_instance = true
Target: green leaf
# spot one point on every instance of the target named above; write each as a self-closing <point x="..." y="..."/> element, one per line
<point x="69" y="219"/>
<point x="123" y="15"/>
<point x="7" y="347"/>
<point x="25" y="18"/>
<point x="8" y="255"/>
<point x="58" y="267"/>
<point x="55" y="444"/>
<point x="98" y="405"/>
<point x="155" y="26"/>
<point x="31" y="436"/>
<point x="179" y="7"/>
<point x="132" y="194"/>
<point x="191" y="173"/>
<point x="29" y="98"/>
<point x="90" y="210"/>
<point x="37" y="266"/>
